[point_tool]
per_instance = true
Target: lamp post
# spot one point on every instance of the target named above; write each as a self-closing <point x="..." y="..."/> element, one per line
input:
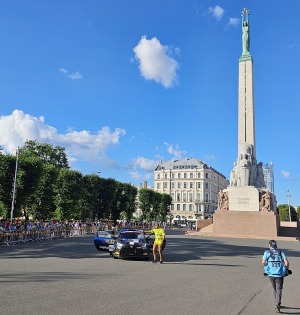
<point x="289" y="196"/>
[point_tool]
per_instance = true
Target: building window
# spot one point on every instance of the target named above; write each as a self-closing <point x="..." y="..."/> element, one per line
<point x="184" y="197"/>
<point x="185" y="185"/>
<point x="158" y="176"/>
<point x="173" y="175"/>
<point x="184" y="175"/>
<point x="191" y="207"/>
<point x="184" y="207"/>
<point x="191" y="185"/>
<point x="191" y="175"/>
<point x="165" y="185"/>
<point x="173" y="197"/>
<point x="166" y="175"/>
<point x="191" y="197"/>
<point x="178" y="185"/>
<point x="179" y="175"/>
<point x="178" y="207"/>
<point x="173" y="185"/>
<point x="172" y="206"/>
<point x="206" y="185"/>
<point x="178" y="197"/>
<point x="206" y="197"/>
<point x="199" y="175"/>
<point x="158" y="185"/>
<point x="199" y="185"/>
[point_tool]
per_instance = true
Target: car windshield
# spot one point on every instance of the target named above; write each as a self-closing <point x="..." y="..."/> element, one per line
<point x="132" y="236"/>
<point x="104" y="234"/>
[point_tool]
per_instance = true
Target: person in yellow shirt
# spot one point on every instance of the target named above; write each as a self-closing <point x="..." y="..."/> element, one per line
<point x="158" y="242"/>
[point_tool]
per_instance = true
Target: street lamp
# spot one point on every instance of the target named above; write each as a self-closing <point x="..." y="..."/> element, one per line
<point x="289" y="196"/>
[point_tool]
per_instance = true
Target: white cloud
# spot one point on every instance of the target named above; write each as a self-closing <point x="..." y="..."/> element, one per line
<point x="144" y="164"/>
<point x="292" y="46"/>
<point x="18" y="127"/>
<point x="63" y="70"/>
<point x="234" y="21"/>
<point x="73" y="76"/>
<point x="135" y="174"/>
<point x="155" y="61"/>
<point x="175" y="151"/>
<point x="142" y="168"/>
<point x="217" y="12"/>
<point x="209" y="157"/>
<point x="285" y="174"/>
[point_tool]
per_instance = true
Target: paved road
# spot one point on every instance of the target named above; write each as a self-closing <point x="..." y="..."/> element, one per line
<point x="201" y="275"/>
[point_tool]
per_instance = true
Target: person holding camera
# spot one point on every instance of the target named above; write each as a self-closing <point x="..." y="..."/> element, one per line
<point x="276" y="266"/>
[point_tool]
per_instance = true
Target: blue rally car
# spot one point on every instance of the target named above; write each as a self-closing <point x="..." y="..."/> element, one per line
<point x="103" y="239"/>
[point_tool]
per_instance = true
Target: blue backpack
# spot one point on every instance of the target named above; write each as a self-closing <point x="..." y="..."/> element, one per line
<point x="275" y="266"/>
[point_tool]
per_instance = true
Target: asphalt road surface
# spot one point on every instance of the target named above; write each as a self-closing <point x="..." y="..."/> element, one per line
<point x="200" y="275"/>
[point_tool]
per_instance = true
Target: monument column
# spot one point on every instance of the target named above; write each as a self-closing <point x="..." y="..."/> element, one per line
<point x="246" y="207"/>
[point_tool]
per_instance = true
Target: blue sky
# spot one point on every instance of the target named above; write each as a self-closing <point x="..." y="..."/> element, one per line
<point x="124" y="84"/>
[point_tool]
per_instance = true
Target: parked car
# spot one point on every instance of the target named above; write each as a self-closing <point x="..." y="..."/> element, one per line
<point x="103" y="239"/>
<point x="131" y="243"/>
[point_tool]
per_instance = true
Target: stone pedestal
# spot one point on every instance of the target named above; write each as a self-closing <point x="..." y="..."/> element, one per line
<point x="243" y="198"/>
<point x="245" y="223"/>
<point x="246" y="212"/>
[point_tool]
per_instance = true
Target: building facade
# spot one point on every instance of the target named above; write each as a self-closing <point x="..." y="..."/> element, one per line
<point x="193" y="186"/>
<point x="269" y="176"/>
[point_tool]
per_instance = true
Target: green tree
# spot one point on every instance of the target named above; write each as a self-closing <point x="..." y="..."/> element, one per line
<point x="156" y="205"/>
<point x="145" y="203"/>
<point x="129" y="207"/>
<point x="7" y="171"/>
<point x="48" y="153"/>
<point x="283" y="210"/>
<point x="68" y="195"/>
<point x="43" y="204"/>
<point x="166" y="201"/>
<point x="92" y="185"/>
<point x="107" y="195"/>
<point x="29" y="174"/>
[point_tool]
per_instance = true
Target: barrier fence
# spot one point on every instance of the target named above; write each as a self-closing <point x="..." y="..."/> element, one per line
<point x="49" y="233"/>
<point x="22" y="237"/>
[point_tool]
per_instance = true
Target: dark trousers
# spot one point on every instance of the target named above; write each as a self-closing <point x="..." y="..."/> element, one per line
<point x="277" y="285"/>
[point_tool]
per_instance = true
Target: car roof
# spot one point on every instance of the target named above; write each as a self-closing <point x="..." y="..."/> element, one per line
<point x="104" y="232"/>
<point x="131" y="230"/>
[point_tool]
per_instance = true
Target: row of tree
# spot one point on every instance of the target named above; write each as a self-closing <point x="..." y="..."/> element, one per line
<point x="47" y="188"/>
<point x="288" y="212"/>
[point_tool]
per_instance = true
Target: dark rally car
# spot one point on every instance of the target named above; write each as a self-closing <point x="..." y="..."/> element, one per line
<point x="131" y="243"/>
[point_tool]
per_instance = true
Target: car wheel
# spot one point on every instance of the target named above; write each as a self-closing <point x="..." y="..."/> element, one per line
<point x="114" y="256"/>
<point x="98" y="248"/>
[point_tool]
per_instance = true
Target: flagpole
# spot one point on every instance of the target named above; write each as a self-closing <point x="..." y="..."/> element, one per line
<point x="14" y="188"/>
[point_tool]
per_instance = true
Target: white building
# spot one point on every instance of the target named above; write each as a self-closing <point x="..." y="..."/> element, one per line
<point x="193" y="186"/>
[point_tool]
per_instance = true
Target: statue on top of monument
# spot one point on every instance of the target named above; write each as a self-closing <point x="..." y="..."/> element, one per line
<point x="246" y="171"/>
<point x="246" y="32"/>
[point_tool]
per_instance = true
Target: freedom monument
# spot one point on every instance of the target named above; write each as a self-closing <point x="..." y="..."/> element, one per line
<point x="246" y="207"/>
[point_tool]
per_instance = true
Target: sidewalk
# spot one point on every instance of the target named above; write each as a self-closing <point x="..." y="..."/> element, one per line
<point x="208" y="231"/>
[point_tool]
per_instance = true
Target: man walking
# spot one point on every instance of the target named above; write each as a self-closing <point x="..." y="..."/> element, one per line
<point x="276" y="267"/>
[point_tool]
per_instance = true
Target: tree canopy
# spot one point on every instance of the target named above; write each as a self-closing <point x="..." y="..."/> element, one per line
<point x="47" y="188"/>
